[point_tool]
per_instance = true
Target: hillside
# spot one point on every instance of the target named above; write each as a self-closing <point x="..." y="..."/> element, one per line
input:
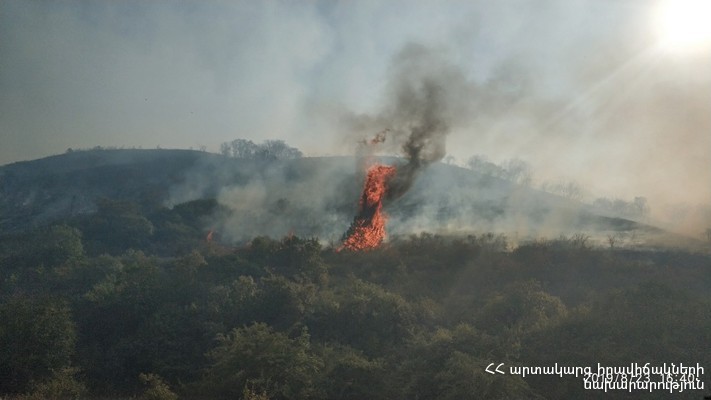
<point x="153" y="282"/>
<point x="307" y="196"/>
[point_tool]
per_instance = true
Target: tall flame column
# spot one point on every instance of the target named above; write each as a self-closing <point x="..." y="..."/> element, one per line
<point x="368" y="228"/>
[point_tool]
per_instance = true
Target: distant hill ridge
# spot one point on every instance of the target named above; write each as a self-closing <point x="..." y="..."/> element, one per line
<point x="315" y="196"/>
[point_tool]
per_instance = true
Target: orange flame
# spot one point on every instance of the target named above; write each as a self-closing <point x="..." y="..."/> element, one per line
<point x="368" y="228"/>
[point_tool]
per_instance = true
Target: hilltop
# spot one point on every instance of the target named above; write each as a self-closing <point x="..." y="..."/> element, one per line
<point x="310" y="196"/>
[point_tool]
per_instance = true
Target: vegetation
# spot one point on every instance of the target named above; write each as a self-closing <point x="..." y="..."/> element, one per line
<point x="269" y="150"/>
<point x="127" y="302"/>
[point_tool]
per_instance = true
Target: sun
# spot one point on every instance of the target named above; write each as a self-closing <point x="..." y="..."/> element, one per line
<point x="684" y="24"/>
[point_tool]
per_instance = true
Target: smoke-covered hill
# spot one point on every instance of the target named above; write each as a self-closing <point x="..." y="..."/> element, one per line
<point x="306" y="196"/>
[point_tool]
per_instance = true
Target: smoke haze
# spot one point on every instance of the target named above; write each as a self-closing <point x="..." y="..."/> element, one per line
<point x="578" y="89"/>
<point x="425" y="97"/>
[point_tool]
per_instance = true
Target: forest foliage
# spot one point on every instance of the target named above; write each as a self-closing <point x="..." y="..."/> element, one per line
<point x="129" y="302"/>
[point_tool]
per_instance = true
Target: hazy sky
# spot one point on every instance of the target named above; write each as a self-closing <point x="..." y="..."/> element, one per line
<point x="580" y="89"/>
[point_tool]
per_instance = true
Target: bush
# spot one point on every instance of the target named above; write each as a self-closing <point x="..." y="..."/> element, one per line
<point x="62" y="385"/>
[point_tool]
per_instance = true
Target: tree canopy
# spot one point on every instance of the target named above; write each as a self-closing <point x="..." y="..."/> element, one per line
<point x="129" y="302"/>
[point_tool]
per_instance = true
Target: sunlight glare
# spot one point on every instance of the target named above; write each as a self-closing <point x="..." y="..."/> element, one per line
<point x="685" y="24"/>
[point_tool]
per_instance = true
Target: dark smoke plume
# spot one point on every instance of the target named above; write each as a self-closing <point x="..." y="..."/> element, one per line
<point x="427" y="128"/>
<point x="426" y="95"/>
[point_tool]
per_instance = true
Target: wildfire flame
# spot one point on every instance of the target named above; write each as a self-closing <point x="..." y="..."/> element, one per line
<point x="368" y="228"/>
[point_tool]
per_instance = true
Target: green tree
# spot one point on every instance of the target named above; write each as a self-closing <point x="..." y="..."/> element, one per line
<point x="37" y="337"/>
<point x="350" y="375"/>
<point x="650" y="322"/>
<point x="450" y="364"/>
<point x="280" y="302"/>
<point x="383" y="319"/>
<point x="520" y="308"/>
<point x="293" y="257"/>
<point x="48" y="247"/>
<point x="265" y="361"/>
<point x="464" y="377"/>
<point x="41" y="260"/>
<point x="62" y="385"/>
<point x="156" y="388"/>
<point x="112" y="318"/>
